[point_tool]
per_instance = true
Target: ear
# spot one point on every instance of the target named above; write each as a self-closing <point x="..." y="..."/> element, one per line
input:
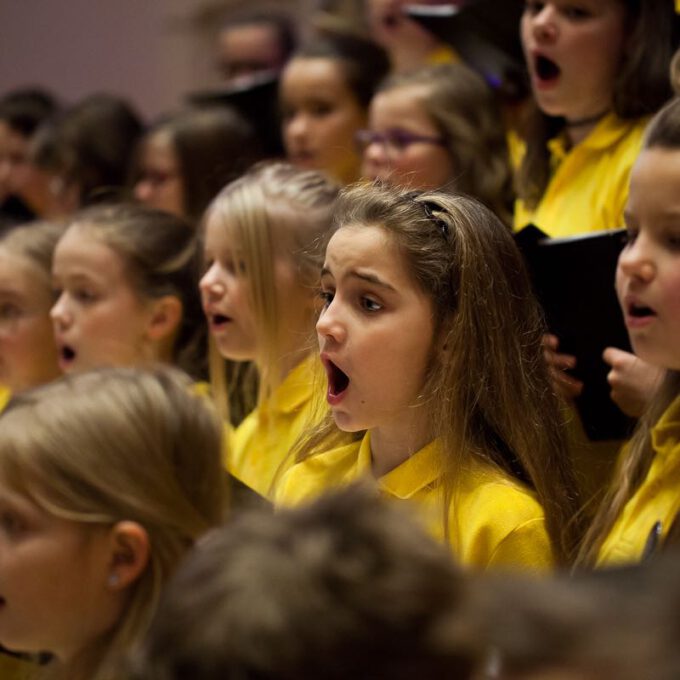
<point x="166" y="315"/>
<point x="129" y="554"/>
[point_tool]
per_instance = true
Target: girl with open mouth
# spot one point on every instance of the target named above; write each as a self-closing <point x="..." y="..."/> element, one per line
<point x="263" y="236"/>
<point x="431" y="342"/>
<point x="598" y="69"/>
<point x="640" y="512"/>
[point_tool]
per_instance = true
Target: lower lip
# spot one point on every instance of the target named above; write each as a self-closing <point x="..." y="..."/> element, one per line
<point x="65" y="364"/>
<point x="636" y="322"/>
<point x="219" y="327"/>
<point x="543" y="84"/>
<point x="335" y="399"/>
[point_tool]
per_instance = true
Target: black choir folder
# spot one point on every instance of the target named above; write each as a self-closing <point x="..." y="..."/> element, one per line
<point x="574" y="281"/>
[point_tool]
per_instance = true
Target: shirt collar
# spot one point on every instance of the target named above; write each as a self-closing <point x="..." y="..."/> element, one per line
<point x="666" y="433"/>
<point x="296" y="389"/>
<point x="420" y="470"/>
<point x="607" y="133"/>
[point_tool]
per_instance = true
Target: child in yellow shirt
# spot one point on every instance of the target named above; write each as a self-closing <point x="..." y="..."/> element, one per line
<point x="431" y="341"/>
<point x="263" y="237"/>
<point x="641" y="506"/>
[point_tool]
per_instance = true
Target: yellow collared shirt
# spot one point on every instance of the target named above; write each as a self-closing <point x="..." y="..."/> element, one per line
<point x="656" y="500"/>
<point x="493" y="520"/>
<point x="589" y="186"/>
<point x="260" y="445"/>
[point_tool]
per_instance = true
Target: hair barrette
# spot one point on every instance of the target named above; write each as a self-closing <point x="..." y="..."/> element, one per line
<point x="429" y="207"/>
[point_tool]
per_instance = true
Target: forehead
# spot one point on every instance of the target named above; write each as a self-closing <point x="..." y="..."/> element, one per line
<point x="406" y="100"/>
<point x="18" y="272"/>
<point x="81" y="245"/>
<point x="314" y="73"/>
<point x="366" y="245"/>
<point x="655" y="180"/>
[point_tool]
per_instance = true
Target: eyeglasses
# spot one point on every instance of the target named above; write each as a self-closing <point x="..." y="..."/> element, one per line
<point x="395" y="140"/>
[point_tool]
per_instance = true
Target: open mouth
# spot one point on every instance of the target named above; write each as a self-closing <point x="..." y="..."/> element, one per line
<point x="219" y="320"/>
<point x="546" y="69"/>
<point x="67" y="354"/>
<point x="640" y="311"/>
<point x="338" y="381"/>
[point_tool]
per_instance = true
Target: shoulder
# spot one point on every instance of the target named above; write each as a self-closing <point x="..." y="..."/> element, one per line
<point x="309" y="478"/>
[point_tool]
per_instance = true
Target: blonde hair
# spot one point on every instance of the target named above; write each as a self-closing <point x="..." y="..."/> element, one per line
<point x="490" y="395"/>
<point x="159" y="448"/>
<point x="161" y="257"/>
<point x="273" y="209"/>
<point x="464" y="110"/>
<point x="663" y="133"/>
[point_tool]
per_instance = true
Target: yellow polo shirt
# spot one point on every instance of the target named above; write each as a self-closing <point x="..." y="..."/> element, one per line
<point x="589" y="186"/>
<point x="261" y="443"/>
<point x="5" y="396"/>
<point x="656" y="500"/>
<point x="493" y="520"/>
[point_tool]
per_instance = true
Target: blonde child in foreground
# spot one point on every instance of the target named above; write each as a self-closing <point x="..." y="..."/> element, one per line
<point x="106" y="479"/>
<point x="262" y="252"/>
<point x="642" y="504"/>
<point x="432" y="345"/>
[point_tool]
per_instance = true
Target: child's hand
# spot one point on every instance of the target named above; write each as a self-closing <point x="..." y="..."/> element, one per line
<point x="633" y="381"/>
<point x="565" y="384"/>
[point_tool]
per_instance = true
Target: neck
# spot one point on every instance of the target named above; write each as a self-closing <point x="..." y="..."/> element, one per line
<point x="579" y="128"/>
<point x="392" y="445"/>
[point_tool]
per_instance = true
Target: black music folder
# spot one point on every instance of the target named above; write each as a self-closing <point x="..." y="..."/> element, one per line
<point x="574" y="280"/>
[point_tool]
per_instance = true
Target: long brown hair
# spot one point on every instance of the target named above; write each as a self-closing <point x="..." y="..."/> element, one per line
<point x="663" y="133"/>
<point x="490" y="396"/>
<point x="641" y="88"/>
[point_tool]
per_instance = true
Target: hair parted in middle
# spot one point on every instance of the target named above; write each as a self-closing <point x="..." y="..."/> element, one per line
<point x="273" y="210"/>
<point x="489" y="394"/>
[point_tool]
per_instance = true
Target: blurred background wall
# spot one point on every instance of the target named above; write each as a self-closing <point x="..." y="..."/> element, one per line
<point x="151" y="51"/>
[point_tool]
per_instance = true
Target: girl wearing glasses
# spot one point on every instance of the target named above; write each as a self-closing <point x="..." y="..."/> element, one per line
<point x="437" y="387"/>
<point x="185" y="159"/>
<point x="439" y="128"/>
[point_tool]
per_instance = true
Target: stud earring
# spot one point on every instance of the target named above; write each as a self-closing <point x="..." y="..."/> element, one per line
<point x="113" y="579"/>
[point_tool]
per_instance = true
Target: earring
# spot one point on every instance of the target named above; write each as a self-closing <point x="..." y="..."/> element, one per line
<point x="113" y="579"/>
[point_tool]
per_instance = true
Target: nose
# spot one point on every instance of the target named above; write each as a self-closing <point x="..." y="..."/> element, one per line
<point x="211" y="284"/>
<point x="636" y="261"/>
<point x="60" y="313"/>
<point x="297" y="126"/>
<point x="330" y="326"/>
<point x="544" y="24"/>
<point x="374" y="159"/>
<point x="143" y="191"/>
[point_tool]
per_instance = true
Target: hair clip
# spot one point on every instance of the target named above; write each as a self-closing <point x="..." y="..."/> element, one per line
<point x="430" y="207"/>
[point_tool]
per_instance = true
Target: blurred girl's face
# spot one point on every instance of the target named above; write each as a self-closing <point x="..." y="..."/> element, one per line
<point x="573" y="52"/>
<point x="320" y="118"/>
<point x="28" y="354"/>
<point x="648" y="273"/>
<point x="13" y="160"/>
<point x="160" y="183"/>
<point x="54" y="589"/>
<point x="404" y="146"/>
<point x="99" y="319"/>
<point x="227" y="301"/>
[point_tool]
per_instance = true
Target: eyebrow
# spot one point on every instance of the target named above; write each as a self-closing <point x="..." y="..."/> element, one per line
<point x="363" y="276"/>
